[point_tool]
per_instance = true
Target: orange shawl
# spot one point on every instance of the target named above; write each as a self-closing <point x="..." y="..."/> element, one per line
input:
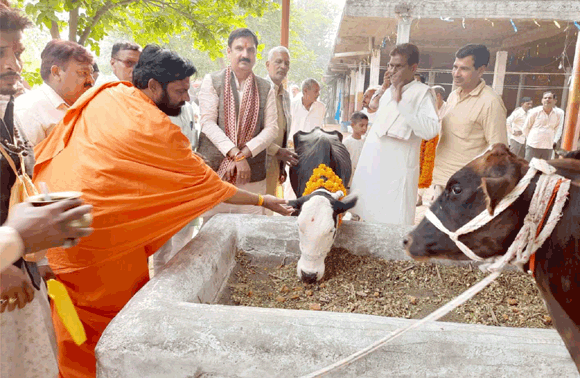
<point x="427" y="162"/>
<point x="138" y="171"/>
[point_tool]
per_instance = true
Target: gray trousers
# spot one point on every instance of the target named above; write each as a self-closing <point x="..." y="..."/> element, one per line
<point x="517" y="148"/>
<point x="539" y="153"/>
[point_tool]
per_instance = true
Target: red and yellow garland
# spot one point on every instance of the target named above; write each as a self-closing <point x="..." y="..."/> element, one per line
<point x="427" y="160"/>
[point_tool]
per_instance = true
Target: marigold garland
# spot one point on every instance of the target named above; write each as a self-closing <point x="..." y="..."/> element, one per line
<point x="324" y="177"/>
<point x="427" y="160"/>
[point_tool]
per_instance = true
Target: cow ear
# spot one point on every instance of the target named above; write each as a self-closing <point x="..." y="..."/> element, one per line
<point x="495" y="189"/>
<point x="348" y="203"/>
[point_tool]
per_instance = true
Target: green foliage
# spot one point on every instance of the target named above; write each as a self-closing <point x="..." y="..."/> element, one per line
<point x="205" y="22"/>
<point x="32" y="77"/>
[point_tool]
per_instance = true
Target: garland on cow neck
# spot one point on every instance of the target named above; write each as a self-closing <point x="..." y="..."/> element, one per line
<point x="324" y="177"/>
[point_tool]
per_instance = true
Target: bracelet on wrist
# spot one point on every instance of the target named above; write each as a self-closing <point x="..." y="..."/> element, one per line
<point x="260" y="200"/>
<point x="239" y="157"/>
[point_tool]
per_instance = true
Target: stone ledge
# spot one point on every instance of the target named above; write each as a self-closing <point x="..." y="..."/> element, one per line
<point x="164" y="331"/>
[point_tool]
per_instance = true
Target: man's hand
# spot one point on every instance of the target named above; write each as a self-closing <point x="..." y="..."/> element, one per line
<point x="517" y="133"/>
<point x="48" y="226"/>
<point x="46" y="272"/>
<point x="398" y="84"/>
<point x="287" y="156"/>
<point x="15" y="289"/>
<point x="277" y="205"/>
<point x="386" y="81"/>
<point x="243" y="172"/>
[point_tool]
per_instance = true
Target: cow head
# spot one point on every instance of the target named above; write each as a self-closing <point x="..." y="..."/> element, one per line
<point x="477" y="187"/>
<point x="317" y="224"/>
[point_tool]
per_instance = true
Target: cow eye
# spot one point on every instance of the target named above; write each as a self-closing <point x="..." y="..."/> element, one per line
<point x="456" y="189"/>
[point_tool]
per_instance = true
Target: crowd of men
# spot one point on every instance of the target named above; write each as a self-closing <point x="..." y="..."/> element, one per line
<point x="148" y="171"/>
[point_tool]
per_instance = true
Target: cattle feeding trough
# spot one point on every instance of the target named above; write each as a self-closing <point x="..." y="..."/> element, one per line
<point x="173" y="327"/>
<point x="498" y="203"/>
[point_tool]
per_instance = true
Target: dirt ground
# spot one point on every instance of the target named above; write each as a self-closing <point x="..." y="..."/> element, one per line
<point x="404" y="289"/>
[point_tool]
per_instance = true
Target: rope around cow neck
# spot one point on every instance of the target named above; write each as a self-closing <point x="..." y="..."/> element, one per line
<point x="524" y="245"/>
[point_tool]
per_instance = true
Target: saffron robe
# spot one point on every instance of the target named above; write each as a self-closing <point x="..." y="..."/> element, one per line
<point x="138" y="171"/>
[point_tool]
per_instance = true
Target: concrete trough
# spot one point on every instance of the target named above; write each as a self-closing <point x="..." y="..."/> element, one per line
<point x="173" y="328"/>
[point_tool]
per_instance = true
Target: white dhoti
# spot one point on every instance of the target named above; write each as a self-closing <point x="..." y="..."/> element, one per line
<point x="27" y="340"/>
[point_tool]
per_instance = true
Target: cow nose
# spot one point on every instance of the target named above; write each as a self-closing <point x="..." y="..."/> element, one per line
<point x="407" y="241"/>
<point x="309" y="278"/>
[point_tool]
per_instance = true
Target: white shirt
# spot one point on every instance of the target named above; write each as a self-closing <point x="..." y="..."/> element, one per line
<point x="515" y="122"/>
<point x="39" y="111"/>
<point x="354" y="148"/>
<point x="209" y="107"/>
<point x="186" y="122"/>
<point x="306" y="119"/>
<point x="540" y="128"/>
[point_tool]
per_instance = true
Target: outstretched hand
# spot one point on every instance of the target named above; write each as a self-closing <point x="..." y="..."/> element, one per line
<point x="48" y="226"/>
<point x="277" y="205"/>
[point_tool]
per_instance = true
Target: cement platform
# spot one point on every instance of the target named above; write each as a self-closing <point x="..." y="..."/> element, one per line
<point x="171" y="328"/>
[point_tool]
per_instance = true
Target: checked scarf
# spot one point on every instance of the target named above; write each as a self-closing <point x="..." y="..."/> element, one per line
<point x="242" y="131"/>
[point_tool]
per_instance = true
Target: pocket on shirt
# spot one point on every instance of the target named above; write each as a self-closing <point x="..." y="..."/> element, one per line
<point x="461" y="128"/>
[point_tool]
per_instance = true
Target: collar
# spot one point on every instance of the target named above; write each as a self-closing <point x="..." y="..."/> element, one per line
<point x="52" y="96"/>
<point x="476" y="91"/>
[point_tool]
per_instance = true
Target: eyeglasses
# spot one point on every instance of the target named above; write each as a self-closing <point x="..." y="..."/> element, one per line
<point x="127" y="63"/>
<point x="395" y="67"/>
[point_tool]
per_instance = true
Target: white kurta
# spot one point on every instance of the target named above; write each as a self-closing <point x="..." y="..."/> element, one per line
<point x="387" y="176"/>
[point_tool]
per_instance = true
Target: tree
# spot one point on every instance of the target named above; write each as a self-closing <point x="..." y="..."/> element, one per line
<point x="206" y="22"/>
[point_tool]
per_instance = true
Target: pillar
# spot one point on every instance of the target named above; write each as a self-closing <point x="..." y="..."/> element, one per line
<point x="570" y="134"/>
<point x="520" y="90"/>
<point x="566" y="89"/>
<point x="431" y="79"/>
<point x="375" y="67"/>
<point x="360" y="86"/>
<point x="404" y="30"/>
<point x="352" y="94"/>
<point x="499" y="72"/>
<point x="285" y="24"/>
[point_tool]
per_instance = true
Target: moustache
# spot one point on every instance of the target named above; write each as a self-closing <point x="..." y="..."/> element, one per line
<point x="9" y="74"/>
<point x="245" y="60"/>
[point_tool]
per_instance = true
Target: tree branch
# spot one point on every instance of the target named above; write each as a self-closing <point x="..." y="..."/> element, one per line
<point x="73" y="21"/>
<point x="100" y="13"/>
<point x="54" y="32"/>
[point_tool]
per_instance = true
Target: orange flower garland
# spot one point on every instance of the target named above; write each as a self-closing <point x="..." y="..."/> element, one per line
<point x="427" y="160"/>
<point x="324" y="177"/>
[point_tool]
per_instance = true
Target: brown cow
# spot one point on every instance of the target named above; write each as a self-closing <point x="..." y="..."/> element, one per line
<point x="480" y="185"/>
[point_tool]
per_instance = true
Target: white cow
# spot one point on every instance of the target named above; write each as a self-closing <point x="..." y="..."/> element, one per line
<point x="318" y="212"/>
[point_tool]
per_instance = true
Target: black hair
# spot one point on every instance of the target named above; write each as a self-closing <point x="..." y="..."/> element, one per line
<point x="525" y="99"/>
<point x="356" y="117"/>
<point x="480" y="54"/>
<point x="12" y="19"/>
<point x="553" y="94"/>
<point x="409" y="51"/>
<point x="242" y="32"/>
<point x="125" y="45"/>
<point x="163" y="65"/>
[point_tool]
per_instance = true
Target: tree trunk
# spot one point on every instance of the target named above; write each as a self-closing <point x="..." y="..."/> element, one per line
<point x="54" y="32"/>
<point x="73" y="21"/>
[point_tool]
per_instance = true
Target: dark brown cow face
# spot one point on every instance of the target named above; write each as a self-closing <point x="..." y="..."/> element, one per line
<point x="477" y="187"/>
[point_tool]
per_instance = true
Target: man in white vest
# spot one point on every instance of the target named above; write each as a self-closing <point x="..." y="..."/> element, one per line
<point x="387" y="174"/>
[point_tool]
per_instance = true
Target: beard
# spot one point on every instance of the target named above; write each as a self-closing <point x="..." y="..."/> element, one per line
<point x="6" y="88"/>
<point x="167" y="107"/>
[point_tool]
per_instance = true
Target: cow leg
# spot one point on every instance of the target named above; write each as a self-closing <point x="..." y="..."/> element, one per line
<point x="565" y="326"/>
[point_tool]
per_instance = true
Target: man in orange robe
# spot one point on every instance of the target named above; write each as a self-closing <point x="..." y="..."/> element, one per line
<point x="117" y="146"/>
